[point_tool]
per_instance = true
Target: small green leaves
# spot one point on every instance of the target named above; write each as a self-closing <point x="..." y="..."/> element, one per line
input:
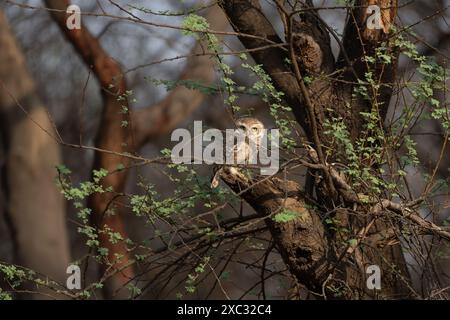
<point x="187" y="83"/>
<point x="4" y="295"/>
<point x="139" y="204"/>
<point x="191" y="278"/>
<point x="134" y="290"/>
<point x="193" y="23"/>
<point x="286" y="216"/>
<point x="99" y="174"/>
<point x="63" y="170"/>
<point x="267" y="91"/>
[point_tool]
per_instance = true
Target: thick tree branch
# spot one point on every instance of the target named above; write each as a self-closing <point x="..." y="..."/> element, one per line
<point x="301" y="241"/>
<point x="380" y="205"/>
<point x="112" y="135"/>
<point x="323" y="99"/>
<point x="246" y="17"/>
<point x="361" y="39"/>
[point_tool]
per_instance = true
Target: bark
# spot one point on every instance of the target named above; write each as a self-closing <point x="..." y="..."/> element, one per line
<point x="34" y="203"/>
<point x="301" y="241"/>
<point x="112" y="136"/>
<point x="310" y="54"/>
<point x="246" y="17"/>
<point x="360" y="41"/>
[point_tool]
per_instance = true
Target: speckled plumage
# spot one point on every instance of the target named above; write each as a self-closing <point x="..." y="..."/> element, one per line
<point x="243" y="152"/>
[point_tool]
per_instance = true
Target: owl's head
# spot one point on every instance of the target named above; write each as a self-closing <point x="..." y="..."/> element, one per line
<point x="251" y="127"/>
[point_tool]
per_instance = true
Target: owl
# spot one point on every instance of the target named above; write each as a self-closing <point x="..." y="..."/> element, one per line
<point x="251" y="132"/>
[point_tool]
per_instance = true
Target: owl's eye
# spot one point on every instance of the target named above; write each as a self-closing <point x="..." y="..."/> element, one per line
<point x="242" y="128"/>
<point x="255" y="129"/>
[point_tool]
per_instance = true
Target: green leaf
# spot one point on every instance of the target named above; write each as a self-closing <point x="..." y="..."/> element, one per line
<point x="285" y="216"/>
<point x="62" y="169"/>
<point x="353" y="242"/>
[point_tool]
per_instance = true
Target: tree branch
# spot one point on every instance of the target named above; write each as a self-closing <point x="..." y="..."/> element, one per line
<point x="112" y="135"/>
<point x="301" y="241"/>
<point x="246" y="17"/>
<point x="161" y="118"/>
<point x="361" y="40"/>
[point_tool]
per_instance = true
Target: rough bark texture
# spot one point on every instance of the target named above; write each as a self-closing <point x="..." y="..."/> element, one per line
<point x="34" y="203"/>
<point x="247" y="17"/>
<point x="313" y="103"/>
<point x="301" y="242"/>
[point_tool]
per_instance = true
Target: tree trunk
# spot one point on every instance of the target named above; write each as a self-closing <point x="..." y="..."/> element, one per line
<point x="34" y="203"/>
<point x="309" y="51"/>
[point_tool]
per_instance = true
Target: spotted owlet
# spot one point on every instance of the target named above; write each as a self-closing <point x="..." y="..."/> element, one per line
<point x="251" y="131"/>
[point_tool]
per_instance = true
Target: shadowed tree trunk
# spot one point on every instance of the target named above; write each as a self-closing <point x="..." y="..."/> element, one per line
<point x="319" y="263"/>
<point x="34" y="203"/>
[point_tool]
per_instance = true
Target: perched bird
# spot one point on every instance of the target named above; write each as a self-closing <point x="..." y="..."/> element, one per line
<point x="245" y="150"/>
